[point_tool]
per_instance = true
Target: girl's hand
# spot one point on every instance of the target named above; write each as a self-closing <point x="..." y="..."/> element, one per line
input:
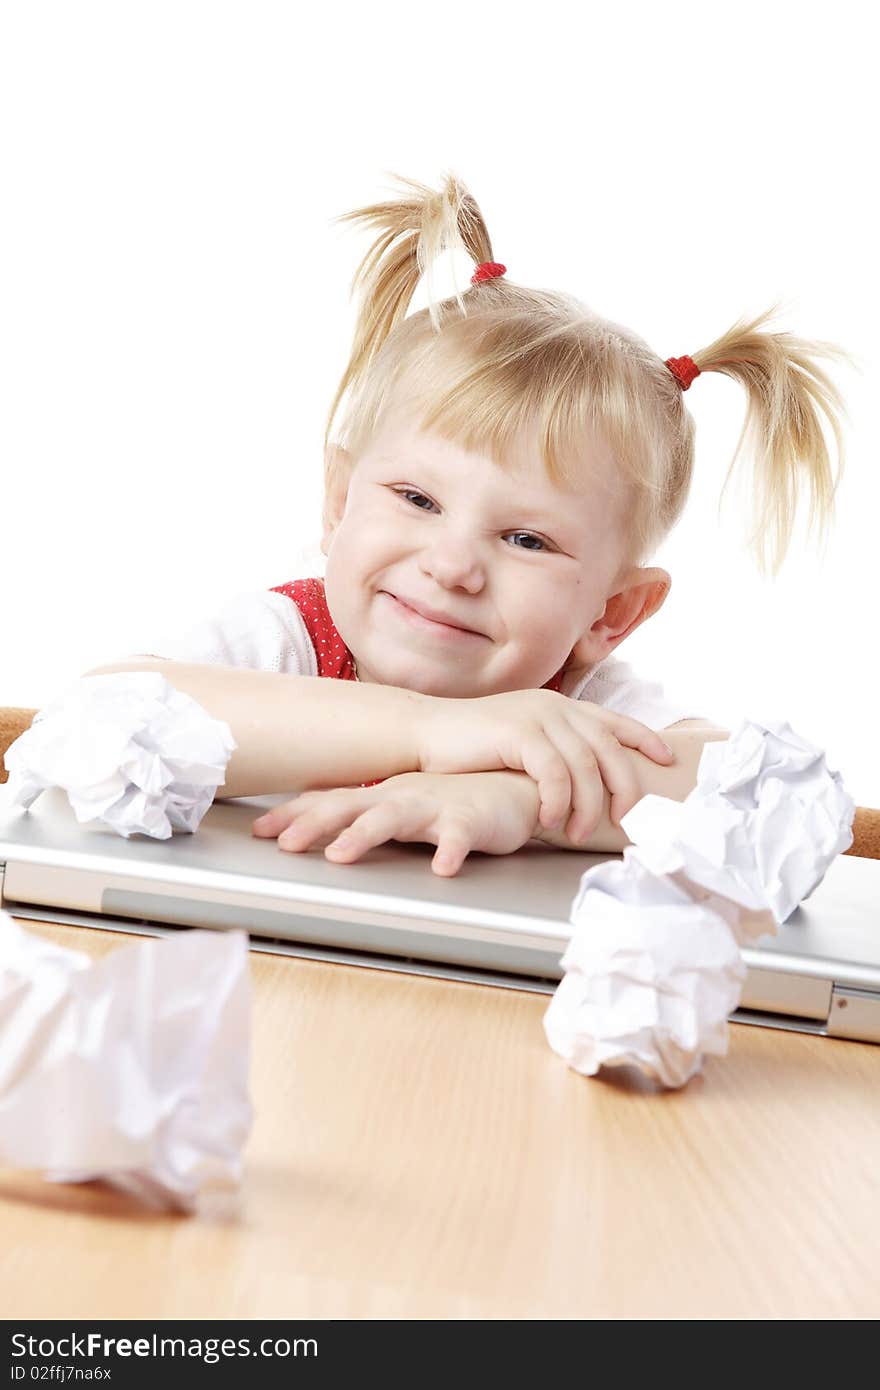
<point x="490" y="811"/>
<point x="571" y="748"/>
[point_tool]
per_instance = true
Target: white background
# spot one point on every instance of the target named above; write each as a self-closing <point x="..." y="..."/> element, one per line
<point x="174" y="310"/>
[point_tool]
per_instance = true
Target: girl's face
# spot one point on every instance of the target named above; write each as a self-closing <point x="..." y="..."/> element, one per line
<point x="523" y="566"/>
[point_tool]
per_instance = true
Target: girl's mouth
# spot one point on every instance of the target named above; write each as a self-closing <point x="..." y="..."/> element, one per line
<point x="409" y="615"/>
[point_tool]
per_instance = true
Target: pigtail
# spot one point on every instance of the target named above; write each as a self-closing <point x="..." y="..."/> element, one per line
<point x="412" y="232"/>
<point x="787" y="395"/>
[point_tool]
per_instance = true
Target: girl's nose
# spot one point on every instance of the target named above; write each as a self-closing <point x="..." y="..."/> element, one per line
<point x="454" y="561"/>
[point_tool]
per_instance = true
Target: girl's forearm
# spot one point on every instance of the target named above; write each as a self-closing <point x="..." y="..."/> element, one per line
<point x="298" y="733"/>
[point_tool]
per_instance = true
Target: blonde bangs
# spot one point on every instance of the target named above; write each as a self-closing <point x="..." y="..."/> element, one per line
<point x="487" y="380"/>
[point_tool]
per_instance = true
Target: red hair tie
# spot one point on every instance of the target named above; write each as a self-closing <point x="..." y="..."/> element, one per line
<point x="684" y="369"/>
<point x="487" y="270"/>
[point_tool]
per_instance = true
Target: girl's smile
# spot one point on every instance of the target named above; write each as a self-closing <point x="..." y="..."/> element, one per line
<point x="447" y="631"/>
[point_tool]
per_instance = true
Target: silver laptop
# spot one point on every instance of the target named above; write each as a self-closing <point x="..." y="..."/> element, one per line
<point x="503" y="920"/>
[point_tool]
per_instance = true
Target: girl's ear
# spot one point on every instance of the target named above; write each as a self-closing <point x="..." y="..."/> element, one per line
<point x="644" y="591"/>
<point x="337" y="475"/>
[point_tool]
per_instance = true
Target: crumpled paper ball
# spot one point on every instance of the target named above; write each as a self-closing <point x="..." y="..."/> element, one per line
<point x="129" y="749"/>
<point x="653" y="968"/>
<point x="651" y="977"/>
<point x="761" y="826"/>
<point x="132" y="1069"/>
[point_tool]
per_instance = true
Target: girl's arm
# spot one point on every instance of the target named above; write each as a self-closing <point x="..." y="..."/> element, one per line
<point x="495" y="812"/>
<point x="296" y="733"/>
<point x="305" y="733"/>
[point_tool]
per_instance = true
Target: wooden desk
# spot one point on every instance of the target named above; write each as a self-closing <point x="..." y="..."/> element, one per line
<point x="419" y="1151"/>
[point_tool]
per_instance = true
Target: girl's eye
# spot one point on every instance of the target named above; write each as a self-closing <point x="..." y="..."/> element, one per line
<point x="410" y="492"/>
<point x="530" y="537"/>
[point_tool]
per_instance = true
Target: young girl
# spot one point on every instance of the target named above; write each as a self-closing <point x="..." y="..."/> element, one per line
<point x="506" y="463"/>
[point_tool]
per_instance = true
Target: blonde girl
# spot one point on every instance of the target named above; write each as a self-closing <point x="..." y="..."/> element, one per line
<point x="499" y="469"/>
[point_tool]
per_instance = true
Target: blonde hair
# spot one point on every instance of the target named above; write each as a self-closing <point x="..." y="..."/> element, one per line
<point x="482" y="367"/>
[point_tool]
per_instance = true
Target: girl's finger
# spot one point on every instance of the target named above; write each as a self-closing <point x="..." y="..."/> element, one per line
<point x="622" y="781"/>
<point x="617" y="773"/>
<point x="632" y="734"/>
<point x="447" y="863"/>
<point x="546" y="766"/>
<point x="277" y="819"/>
<point x="325" y="815"/>
<point x="404" y="818"/>
<point x="588" y="788"/>
<point x="456" y="835"/>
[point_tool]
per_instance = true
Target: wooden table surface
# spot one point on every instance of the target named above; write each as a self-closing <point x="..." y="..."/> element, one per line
<point x="419" y="1151"/>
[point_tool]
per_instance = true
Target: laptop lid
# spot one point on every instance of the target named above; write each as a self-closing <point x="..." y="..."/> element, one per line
<point x="504" y="919"/>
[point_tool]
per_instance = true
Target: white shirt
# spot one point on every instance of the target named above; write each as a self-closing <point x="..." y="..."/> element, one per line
<point x="264" y="631"/>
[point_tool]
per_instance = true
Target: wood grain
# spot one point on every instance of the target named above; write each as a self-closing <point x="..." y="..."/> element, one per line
<point x="419" y="1151"/>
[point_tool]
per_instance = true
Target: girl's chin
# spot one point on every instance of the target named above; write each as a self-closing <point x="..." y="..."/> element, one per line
<point x="428" y="678"/>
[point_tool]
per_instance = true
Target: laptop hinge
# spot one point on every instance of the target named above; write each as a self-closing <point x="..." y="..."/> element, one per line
<point x="854" y="1013"/>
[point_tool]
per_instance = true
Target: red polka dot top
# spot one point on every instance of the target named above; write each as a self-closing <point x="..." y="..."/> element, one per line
<point x="333" y="657"/>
